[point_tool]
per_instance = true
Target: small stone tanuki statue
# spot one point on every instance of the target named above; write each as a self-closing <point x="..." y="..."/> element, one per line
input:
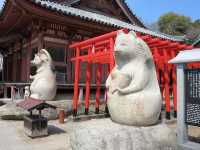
<point x="43" y="86"/>
<point x="133" y="93"/>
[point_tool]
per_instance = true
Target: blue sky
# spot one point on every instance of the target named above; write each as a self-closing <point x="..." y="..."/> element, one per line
<point x="1" y="3"/>
<point x="150" y="10"/>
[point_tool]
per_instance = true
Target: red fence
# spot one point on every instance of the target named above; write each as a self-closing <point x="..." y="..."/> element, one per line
<point x="99" y="50"/>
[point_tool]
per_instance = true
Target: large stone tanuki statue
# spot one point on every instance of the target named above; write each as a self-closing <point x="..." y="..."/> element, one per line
<point x="133" y="92"/>
<point x="43" y="86"/>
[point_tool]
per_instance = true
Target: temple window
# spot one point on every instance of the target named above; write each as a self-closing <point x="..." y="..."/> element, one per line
<point x="33" y="68"/>
<point x="58" y="54"/>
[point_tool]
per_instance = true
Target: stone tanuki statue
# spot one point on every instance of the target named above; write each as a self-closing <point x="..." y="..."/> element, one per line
<point x="43" y="86"/>
<point x="133" y="92"/>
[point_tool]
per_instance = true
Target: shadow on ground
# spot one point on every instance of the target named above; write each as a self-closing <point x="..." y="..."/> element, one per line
<point x="2" y="103"/>
<point x="194" y="139"/>
<point x="55" y="130"/>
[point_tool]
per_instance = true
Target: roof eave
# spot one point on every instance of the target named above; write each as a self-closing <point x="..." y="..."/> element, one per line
<point x="196" y="41"/>
<point x="3" y="9"/>
<point x="127" y="11"/>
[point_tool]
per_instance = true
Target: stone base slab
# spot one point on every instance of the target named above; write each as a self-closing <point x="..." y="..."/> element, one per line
<point x="103" y="134"/>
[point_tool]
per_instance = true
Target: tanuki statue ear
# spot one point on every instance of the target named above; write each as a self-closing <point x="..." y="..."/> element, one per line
<point x="46" y="59"/>
<point x="133" y="33"/>
<point x="43" y="57"/>
<point x="120" y="32"/>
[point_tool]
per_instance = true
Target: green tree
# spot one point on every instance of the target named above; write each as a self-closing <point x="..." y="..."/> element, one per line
<point x="194" y="31"/>
<point x="174" y="24"/>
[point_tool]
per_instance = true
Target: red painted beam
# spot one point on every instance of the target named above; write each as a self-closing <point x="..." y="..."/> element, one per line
<point x="182" y="46"/>
<point x="152" y="41"/>
<point x="95" y="44"/>
<point x="189" y="47"/>
<point x="172" y="45"/>
<point x="96" y="39"/>
<point x="145" y="37"/>
<point x="160" y="43"/>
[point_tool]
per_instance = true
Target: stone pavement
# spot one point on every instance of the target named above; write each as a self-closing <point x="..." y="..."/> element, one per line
<point x="12" y="137"/>
<point x="9" y="140"/>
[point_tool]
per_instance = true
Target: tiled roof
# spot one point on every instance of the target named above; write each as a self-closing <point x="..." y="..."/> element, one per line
<point x="197" y="40"/>
<point x="89" y="16"/>
<point x="31" y="104"/>
<point x="129" y="9"/>
<point x="93" y="17"/>
<point x="3" y="7"/>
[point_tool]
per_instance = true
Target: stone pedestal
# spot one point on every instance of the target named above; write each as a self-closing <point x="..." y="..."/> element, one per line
<point x="103" y="134"/>
<point x="35" y="126"/>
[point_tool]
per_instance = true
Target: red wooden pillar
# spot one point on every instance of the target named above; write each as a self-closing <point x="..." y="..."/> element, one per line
<point x="112" y="62"/>
<point x="167" y="86"/>
<point x="98" y="84"/>
<point x="88" y="79"/>
<point x="87" y="94"/>
<point x="161" y="72"/>
<point x="106" y="95"/>
<point x="174" y="91"/>
<point x="156" y="57"/>
<point x="77" y="67"/>
<point x="162" y="79"/>
<point x="110" y="67"/>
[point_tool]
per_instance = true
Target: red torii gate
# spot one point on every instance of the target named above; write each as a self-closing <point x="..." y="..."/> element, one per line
<point x="99" y="50"/>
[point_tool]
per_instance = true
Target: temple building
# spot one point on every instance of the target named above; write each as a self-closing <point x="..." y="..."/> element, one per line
<point x="197" y="42"/>
<point x="29" y="25"/>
